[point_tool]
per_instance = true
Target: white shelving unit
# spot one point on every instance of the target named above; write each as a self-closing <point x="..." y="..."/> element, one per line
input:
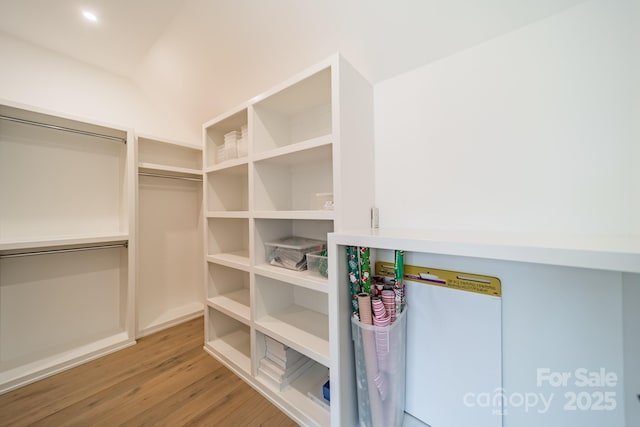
<point x="169" y="285"/>
<point x="67" y="270"/>
<point x="519" y="255"/>
<point x="309" y="136"/>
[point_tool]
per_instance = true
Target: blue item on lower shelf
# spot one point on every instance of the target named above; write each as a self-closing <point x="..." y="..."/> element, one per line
<point x="326" y="392"/>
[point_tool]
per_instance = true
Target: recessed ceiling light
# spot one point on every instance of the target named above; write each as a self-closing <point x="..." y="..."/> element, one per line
<point x="89" y="16"/>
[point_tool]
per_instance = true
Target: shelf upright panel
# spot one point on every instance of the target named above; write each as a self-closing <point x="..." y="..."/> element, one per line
<point x="226" y="237"/>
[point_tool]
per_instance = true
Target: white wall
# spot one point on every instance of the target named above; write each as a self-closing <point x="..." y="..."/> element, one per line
<point x="41" y="78"/>
<point x="531" y="131"/>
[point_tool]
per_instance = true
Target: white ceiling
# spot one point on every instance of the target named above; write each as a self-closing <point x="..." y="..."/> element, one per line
<point x="203" y="57"/>
<point x="125" y="33"/>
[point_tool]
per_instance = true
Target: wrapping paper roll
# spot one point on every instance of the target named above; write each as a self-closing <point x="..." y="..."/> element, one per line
<point x="365" y="270"/>
<point x="398" y="289"/>
<point x="377" y="306"/>
<point x="389" y="301"/>
<point x="353" y="269"/>
<point x="364" y="306"/>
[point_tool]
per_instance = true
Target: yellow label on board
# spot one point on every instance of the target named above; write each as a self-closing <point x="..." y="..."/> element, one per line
<point x="468" y="282"/>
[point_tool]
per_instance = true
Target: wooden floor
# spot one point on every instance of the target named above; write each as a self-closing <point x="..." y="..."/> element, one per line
<point x="167" y="379"/>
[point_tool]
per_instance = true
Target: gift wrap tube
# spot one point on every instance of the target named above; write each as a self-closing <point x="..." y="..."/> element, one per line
<point x="365" y="270"/>
<point x="364" y="306"/>
<point x="388" y="299"/>
<point x="353" y="270"/>
<point x="398" y="288"/>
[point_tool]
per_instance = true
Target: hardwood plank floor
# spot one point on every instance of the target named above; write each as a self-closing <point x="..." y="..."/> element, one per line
<point x="166" y="379"/>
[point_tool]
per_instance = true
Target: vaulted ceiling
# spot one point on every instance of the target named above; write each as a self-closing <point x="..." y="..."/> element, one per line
<point x="206" y="56"/>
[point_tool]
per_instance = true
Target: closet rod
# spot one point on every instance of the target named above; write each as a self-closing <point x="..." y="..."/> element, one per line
<point x="48" y="126"/>
<point x="157" y="175"/>
<point x="58" y="251"/>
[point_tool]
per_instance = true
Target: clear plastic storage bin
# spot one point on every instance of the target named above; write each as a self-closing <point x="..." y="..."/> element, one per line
<point x="318" y="264"/>
<point x="291" y="252"/>
<point x="380" y="371"/>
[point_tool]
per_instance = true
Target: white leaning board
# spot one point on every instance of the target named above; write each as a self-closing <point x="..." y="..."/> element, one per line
<point x="454" y="357"/>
